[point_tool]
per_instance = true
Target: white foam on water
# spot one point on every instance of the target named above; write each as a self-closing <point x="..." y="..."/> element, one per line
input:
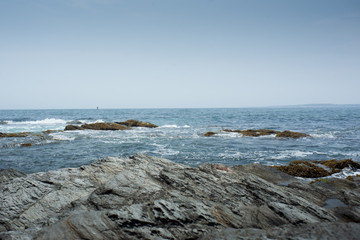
<point x="345" y="173"/>
<point x="292" y="153"/>
<point x="163" y="150"/>
<point x="174" y="126"/>
<point x="46" y="121"/>
<point x="323" y="135"/>
<point x="228" y="134"/>
<point x="62" y="136"/>
<point x="91" y="121"/>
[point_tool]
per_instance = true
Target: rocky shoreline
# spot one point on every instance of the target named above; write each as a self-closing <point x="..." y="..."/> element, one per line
<point x="144" y="197"/>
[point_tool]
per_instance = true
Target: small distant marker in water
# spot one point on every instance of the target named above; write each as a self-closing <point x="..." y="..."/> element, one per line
<point x="97" y="108"/>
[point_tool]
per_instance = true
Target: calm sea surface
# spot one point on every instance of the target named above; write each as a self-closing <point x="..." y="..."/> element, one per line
<point x="334" y="130"/>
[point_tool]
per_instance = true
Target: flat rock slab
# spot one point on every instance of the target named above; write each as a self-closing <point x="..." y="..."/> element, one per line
<point x="144" y="197"/>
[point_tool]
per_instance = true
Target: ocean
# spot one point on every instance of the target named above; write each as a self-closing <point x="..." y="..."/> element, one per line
<point x="334" y="134"/>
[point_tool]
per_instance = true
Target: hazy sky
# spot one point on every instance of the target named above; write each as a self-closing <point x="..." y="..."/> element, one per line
<point x="178" y="53"/>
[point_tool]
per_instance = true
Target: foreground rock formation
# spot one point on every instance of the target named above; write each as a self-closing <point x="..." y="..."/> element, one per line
<point x="143" y="197"/>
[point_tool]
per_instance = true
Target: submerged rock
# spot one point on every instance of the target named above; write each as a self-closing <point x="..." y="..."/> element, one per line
<point x="74" y="122"/>
<point x="51" y="131"/>
<point x="144" y="197"/>
<point x="137" y="123"/>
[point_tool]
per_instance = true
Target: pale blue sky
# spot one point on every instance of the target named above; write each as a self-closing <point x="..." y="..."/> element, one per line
<point x="178" y="53"/>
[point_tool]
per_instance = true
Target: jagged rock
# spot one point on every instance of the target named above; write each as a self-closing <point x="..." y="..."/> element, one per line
<point x="317" y="169"/>
<point x="73" y="127"/>
<point x="208" y="134"/>
<point x="144" y="197"/>
<point x="290" y="134"/>
<point x="137" y="123"/>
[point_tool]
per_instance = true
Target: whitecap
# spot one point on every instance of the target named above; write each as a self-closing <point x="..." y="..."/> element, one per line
<point x="46" y="121"/>
<point x="346" y="172"/>
<point x="62" y="137"/>
<point x="292" y="153"/>
<point x="91" y="121"/>
<point x="169" y="126"/>
<point x="323" y="135"/>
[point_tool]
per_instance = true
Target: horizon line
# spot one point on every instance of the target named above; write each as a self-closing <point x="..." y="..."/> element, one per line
<point x="270" y="106"/>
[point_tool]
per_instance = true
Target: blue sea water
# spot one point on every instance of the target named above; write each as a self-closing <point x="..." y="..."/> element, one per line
<point x="334" y="130"/>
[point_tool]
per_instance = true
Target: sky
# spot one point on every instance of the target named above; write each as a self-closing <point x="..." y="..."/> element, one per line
<point x="59" y="54"/>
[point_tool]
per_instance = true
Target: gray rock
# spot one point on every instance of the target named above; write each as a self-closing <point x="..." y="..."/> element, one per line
<point x="144" y="197"/>
<point x="8" y="174"/>
<point x="332" y="230"/>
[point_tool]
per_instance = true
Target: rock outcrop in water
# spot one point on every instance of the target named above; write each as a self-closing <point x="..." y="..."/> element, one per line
<point x="208" y="134"/>
<point x="253" y="132"/>
<point x="104" y="126"/>
<point x="263" y="132"/>
<point x="111" y="126"/>
<point x="143" y="197"/>
<point x="7" y="135"/>
<point x="137" y="123"/>
<point x="317" y="169"/>
<point x="290" y="134"/>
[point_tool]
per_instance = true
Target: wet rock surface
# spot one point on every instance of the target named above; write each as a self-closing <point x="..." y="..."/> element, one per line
<point x="111" y="125"/>
<point x="137" y="123"/>
<point x="290" y="134"/>
<point x="208" y="134"/>
<point x="103" y="126"/>
<point x="253" y="132"/>
<point x="144" y="197"/>
<point x="317" y="169"/>
<point x="7" y="135"/>
<point x="263" y="132"/>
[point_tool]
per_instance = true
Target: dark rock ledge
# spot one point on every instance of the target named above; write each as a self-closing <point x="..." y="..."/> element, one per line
<point x="143" y="197"/>
<point x="111" y="125"/>
<point x="263" y="132"/>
